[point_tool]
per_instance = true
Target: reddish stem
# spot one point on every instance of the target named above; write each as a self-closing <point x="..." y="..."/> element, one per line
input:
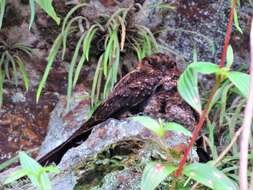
<point x="227" y="37"/>
<point x="216" y="86"/>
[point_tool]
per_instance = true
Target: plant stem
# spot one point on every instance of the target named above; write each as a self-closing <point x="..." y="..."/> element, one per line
<point x="198" y="126"/>
<point x="246" y="126"/>
<point x="218" y="81"/>
<point x="227" y="37"/>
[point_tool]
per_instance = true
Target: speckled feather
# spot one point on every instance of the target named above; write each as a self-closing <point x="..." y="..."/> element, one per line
<point x="131" y="90"/>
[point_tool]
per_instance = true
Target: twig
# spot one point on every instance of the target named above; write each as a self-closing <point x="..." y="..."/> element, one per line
<point x="244" y="144"/>
<point x="233" y="141"/>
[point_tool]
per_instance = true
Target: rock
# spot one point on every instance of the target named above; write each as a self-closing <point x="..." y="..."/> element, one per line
<point x="121" y="180"/>
<point x="112" y="146"/>
<point x="63" y="124"/>
<point x="199" y="25"/>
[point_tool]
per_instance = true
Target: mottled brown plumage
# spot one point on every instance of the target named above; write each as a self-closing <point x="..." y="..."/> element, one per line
<point x="157" y="71"/>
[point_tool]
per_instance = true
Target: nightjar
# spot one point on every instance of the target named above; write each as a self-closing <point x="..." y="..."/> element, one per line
<point x="152" y="74"/>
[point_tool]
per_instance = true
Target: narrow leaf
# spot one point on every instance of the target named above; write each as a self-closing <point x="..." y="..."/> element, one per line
<point x="51" y="58"/>
<point x="2" y="10"/>
<point x="47" y="6"/>
<point x="71" y="70"/>
<point x="32" y="8"/>
<point x="15" y="176"/>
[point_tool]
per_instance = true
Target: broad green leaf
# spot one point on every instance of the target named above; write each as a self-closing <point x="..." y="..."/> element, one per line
<point x="51" y="57"/>
<point x="209" y="176"/>
<point x="151" y="124"/>
<point x="171" y="126"/>
<point x="230" y="57"/>
<point x="204" y="67"/>
<point x="188" y="82"/>
<point x="154" y="173"/>
<point x="188" y="89"/>
<point x="32" y="8"/>
<point x="241" y="81"/>
<point x="15" y="176"/>
<point x="47" y="6"/>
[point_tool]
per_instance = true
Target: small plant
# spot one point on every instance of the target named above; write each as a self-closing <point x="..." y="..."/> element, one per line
<point x="36" y="173"/>
<point x="46" y="5"/>
<point x="117" y="36"/>
<point x="156" y="172"/>
<point x="11" y="62"/>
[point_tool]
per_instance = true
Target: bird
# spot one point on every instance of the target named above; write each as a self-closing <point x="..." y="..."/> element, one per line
<point x="153" y="72"/>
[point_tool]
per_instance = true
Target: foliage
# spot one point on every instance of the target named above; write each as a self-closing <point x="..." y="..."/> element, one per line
<point x="2" y="9"/>
<point x="46" y="5"/>
<point x="156" y="172"/>
<point x="116" y="38"/>
<point x="188" y="81"/>
<point x="11" y="63"/>
<point x="160" y="127"/>
<point x="36" y="173"/>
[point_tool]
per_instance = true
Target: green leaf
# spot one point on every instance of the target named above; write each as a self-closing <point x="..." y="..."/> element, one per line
<point x="171" y="126"/>
<point x="236" y="20"/>
<point x="230" y="57"/>
<point x="32" y="8"/>
<point x="47" y="6"/>
<point x="29" y="164"/>
<point x="151" y="124"/>
<point x="15" y="176"/>
<point x="23" y="72"/>
<point x="241" y="81"/>
<point x="51" y="169"/>
<point x="9" y="162"/>
<point x="2" y="77"/>
<point x="51" y="57"/>
<point x="45" y="183"/>
<point x="71" y="70"/>
<point x="2" y="10"/>
<point x="209" y="176"/>
<point x="204" y="67"/>
<point x="154" y="173"/>
<point x="31" y="167"/>
<point x="188" y="82"/>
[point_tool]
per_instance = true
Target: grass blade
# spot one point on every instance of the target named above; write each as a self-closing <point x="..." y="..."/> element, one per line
<point x="51" y="58"/>
<point x="71" y="70"/>
<point x="2" y="10"/>
<point x="23" y="72"/>
<point x="32" y="8"/>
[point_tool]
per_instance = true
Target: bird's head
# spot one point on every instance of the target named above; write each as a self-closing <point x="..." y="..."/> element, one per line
<point x="164" y="66"/>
